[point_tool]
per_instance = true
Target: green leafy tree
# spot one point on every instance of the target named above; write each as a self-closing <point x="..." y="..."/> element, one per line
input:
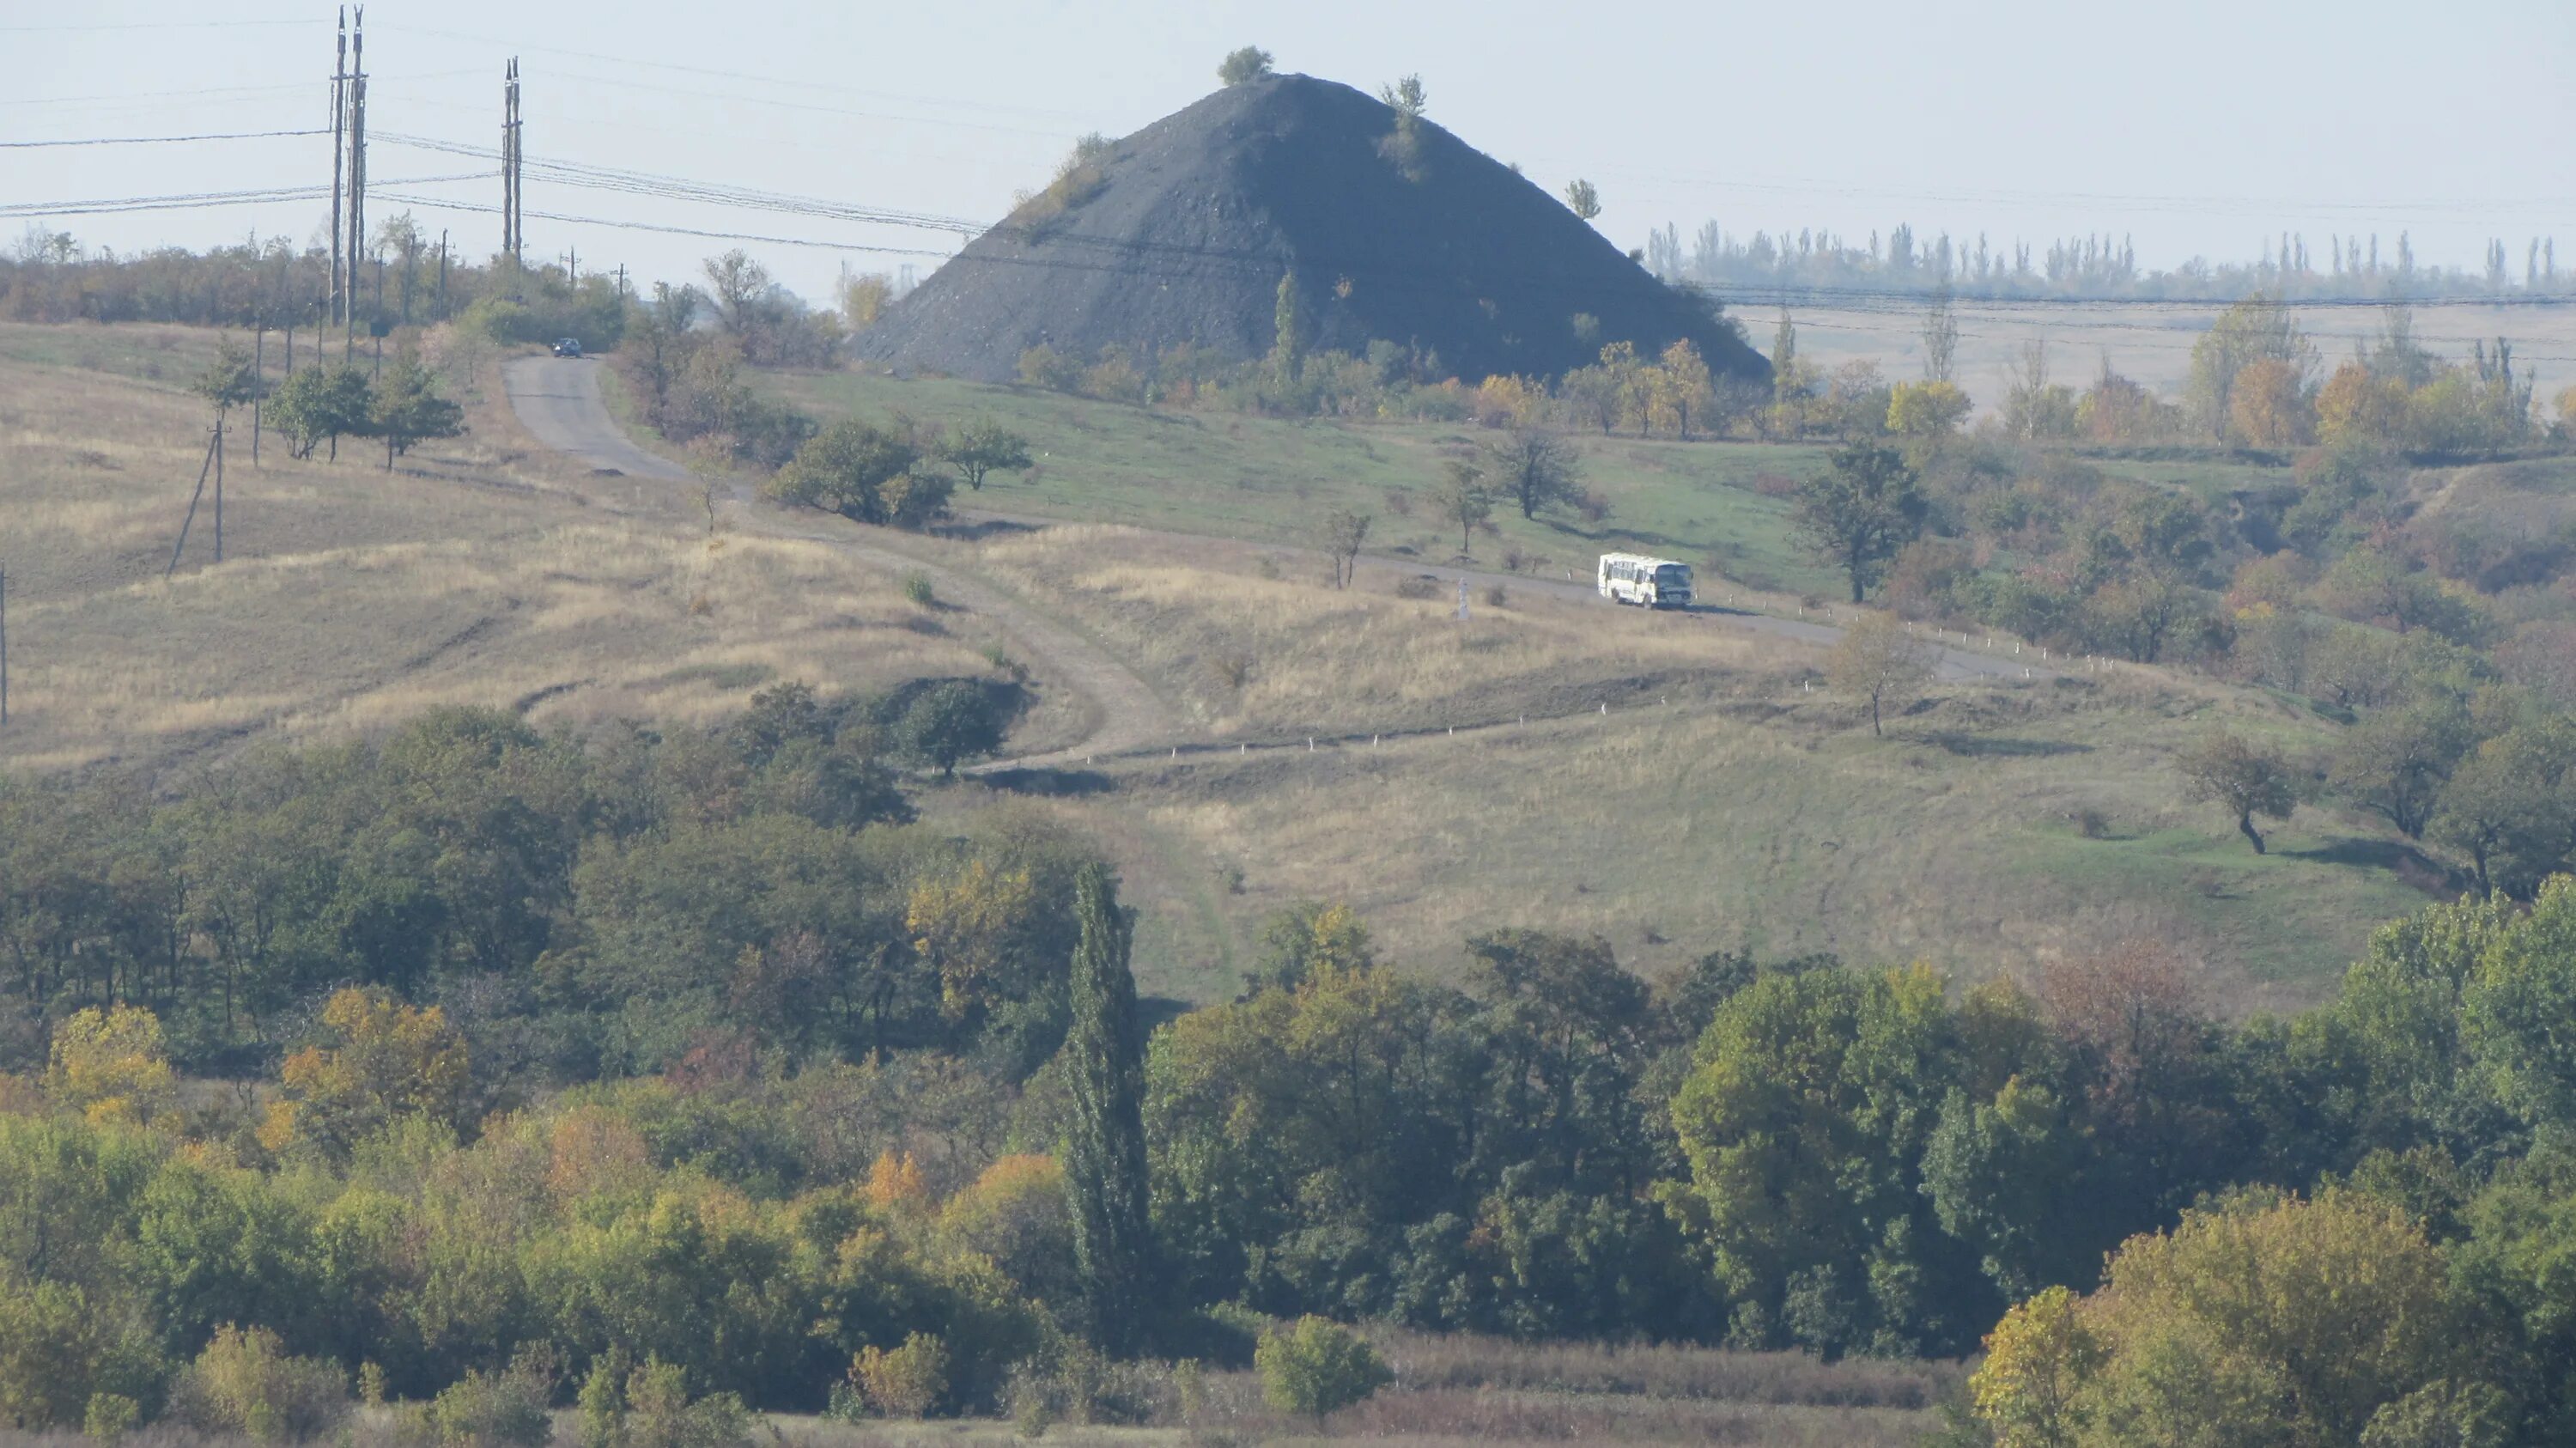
<point x="1404" y="146"/>
<point x="862" y="472"/>
<point x="2257" y="329"/>
<point x="1105" y="1173"/>
<point x="407" y="408"/>
<point x="1317" y="1367"/>
<point x="1464" y="498"/>
<point x="61" y="1346"/>
<point x="1811" y="1099"/>
<point x="2514" y="1013"/>
<point x="2258" y="1320"/>
<point x="2396" y="761"/>
<point x="1345" y="534"/>
<point x="2245" y="777"/>
<point x="1306" y="938"/>
<point x="229" y="380"/>
<point x="951" y="722"/>
<point x="1243" y="67"/>
<point x="1288" y="345"/>
<point x="978" y="449"/>
<point x="1582" y="199"/>
<point x="2510" y="806"/>
<point x="320" y="404"/>
<point x="1860" y="512"/>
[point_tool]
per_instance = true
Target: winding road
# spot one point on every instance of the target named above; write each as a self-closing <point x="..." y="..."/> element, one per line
<point x="558" y="401"/>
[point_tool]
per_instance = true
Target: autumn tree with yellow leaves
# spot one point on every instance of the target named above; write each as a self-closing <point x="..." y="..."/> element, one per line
<point x="379" y="1061"/>
<point x="110" y="1065"/>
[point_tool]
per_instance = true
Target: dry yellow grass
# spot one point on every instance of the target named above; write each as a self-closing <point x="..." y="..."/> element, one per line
<point x="1254" y="643"/>
<point x="482" y="570"/>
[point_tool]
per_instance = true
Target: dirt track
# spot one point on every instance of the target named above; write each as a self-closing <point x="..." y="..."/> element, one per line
<point x="558" y="401"/>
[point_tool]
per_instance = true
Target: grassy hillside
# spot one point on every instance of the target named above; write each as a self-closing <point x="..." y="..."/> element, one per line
<point x="480" y="570"/>
<point x="1718" y="803"/>
<point x="1272" y="480"/>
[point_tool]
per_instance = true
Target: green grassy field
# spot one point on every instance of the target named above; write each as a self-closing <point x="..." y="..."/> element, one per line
<point x="1271" y="480"/>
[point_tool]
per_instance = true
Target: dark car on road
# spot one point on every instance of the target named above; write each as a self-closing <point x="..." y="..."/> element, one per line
<point x="568" y="347"/>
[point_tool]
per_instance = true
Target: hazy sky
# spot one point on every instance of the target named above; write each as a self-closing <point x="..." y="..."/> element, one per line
<point x="2198" y="126"/>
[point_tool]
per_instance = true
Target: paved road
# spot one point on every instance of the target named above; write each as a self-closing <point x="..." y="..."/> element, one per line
<point x="558" y="400"/>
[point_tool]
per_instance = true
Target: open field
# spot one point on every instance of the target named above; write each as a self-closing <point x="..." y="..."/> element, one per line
<point x="1718" y="802"/>
<point x="2148" y="341"/>
<point x="481" y="570"/>
<point x="1465" y="1390"/>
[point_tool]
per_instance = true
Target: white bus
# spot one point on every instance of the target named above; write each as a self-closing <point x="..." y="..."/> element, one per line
<point x="1652" y="582"/>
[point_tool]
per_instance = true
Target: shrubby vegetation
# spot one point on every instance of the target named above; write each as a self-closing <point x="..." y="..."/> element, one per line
<point x="480" y="1063"/>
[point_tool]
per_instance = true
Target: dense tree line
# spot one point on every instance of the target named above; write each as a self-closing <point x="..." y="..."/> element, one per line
<point x="405" y="280"/>
<point x="600" y="905"/>
<point x="2097" y="265"/>
<point x="685" y="1049"/>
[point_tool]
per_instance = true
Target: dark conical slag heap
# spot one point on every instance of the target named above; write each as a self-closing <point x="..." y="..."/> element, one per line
<point x="1182" y="232"/>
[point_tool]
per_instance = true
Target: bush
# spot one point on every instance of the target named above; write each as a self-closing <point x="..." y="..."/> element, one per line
<point x="1317" y="1367"/>
<point x="907" y="1382"/>
<point x="109" y="1417"/>
<point x="244" y="1382"/>
<point x="60" y="1346"/>
<point x="1418" y="585"/>
<point x="503" y="1410"/>
<point x="657" y="1413"/>
<point x="916" y="587"/>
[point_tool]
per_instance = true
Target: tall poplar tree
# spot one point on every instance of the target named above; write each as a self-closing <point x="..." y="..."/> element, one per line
<point x="1113" y="1248"/>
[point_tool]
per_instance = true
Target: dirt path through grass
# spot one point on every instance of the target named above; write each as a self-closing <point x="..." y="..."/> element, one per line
<point x="558" y="400"/>
<point x="1953" y="664"/>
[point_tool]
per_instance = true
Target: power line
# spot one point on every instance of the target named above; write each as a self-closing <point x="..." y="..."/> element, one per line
<point x="645" y="183"/>
<point x="434" y="204"/>
<point x="806" y="106"/>
<point x="153" y="25"/>
<point x="833" y="87"/>
<point x="222" y="90"/>
<point x="200" y="200"/>
<point x="158" y="140"/>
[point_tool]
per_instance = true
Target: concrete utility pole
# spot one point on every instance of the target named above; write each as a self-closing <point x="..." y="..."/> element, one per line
<point x="339" y="153"/>
<point x="4" y="645"/>
<point x="514" y="237"/>
<point x="357" y="242"/>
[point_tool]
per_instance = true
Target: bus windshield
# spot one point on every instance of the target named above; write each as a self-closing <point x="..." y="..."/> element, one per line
<point x="1672" y="575"/>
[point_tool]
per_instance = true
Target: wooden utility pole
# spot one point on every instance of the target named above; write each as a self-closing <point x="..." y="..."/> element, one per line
<point x="190" y="521"/>
<point x="219" y="486"/>
<point x="442" y="275"/>
<point x="258" y="384"/>
<point x="4" y="645"/>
